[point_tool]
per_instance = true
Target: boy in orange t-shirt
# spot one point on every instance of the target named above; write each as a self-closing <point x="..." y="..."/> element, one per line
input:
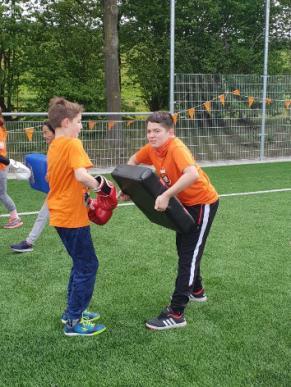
<point x="175" y="165"/>
<point x="68" y="179"/>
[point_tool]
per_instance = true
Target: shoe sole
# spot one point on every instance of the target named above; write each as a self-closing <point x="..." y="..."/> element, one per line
<point x="11" y="227"/>
<point x="89" y="320"/>
<point x="166" y="327"/>
<point x="22" y="251"/>
<point x="194" y="299"/>
<point x="70" y="334"/>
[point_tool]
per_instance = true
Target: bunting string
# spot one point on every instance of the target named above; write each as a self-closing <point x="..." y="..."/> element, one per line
<point x="191" y="112"/>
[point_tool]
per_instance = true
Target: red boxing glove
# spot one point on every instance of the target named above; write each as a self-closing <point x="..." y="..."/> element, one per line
<point x="104" y="186"/>
<point x="101" y="208"/>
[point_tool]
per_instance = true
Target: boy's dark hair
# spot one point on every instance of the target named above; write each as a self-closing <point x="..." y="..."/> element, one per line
<point x="2" y="121"/>
<point x="47" y="124"/>
<point x="60" y="108"/>
<point x="163" y="118"/>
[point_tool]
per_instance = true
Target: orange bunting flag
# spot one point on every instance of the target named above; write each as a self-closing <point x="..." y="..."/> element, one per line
<point x="175" y="117"/>
<point x="111" y="124"/>
<point x="91" y="124"/>
<point x="251" y="101"/>
<point x="287" y="103"/>
<point x="129" y="122"/>
<point x="207" y="106"/>
<point x="29" y="133"/>
<point x="268" y="101"/>
<point x="191" y="113"/>
<point x="236" y="92"/>
<point x="222" y="99"/>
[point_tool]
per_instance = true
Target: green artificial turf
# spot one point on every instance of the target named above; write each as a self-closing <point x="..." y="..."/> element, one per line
<point x="240" y="337"/>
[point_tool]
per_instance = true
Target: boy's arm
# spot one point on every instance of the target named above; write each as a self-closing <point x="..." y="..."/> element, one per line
<point x="132" y="160"/>
<point x="85" y="178"/>
<point x="190" y="175"/>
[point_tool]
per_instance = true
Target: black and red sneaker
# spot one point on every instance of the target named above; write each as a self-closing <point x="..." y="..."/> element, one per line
<point x="168" y="319"/>
<point x="198" y="296"/>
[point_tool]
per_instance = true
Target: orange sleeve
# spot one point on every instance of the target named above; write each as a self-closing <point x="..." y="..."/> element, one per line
<point x="143" y="155"/>
<point x="78" y="158"/>
<point x="183" y="158"/>
<point x="3" y="151"/>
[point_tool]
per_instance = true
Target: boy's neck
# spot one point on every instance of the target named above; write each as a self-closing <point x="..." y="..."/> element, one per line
<point x="62" y="132"/>
<point x="162" y="150"/>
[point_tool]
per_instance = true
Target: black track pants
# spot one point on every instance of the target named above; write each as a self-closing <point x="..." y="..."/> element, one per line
<point x="190" y="249"/>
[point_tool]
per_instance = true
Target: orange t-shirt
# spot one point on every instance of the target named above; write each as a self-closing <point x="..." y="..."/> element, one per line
<point x="3" y="151"/>
<point x="66" y="195"/>
<point x="170" y="166"/>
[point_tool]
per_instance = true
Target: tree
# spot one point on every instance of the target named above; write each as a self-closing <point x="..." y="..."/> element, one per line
<point x="65" y="52"/>
<point x="112" y="74"/>
<point x="144" y="35"/>
<point x="111" y="53"/>
<point x="71" y="47"/>
<point x="212" y="36"/>
<point x="12" y="41"/>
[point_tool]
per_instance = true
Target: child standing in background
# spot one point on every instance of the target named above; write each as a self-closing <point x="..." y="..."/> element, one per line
<point x="48" y="134"/>
<point x="14" y="220"/>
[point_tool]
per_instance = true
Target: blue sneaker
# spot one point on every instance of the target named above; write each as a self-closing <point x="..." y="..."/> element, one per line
<point x="86" y="316"/>
<point x="22" y="247"/>
<point x="82" y="328"/>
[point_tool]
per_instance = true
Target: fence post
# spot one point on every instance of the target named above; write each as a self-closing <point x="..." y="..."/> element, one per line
<point x="172" y="55"/>
<point x="265" y="80"/>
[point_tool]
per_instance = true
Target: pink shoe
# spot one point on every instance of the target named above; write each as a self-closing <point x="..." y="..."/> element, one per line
<point x="13" y="223"/>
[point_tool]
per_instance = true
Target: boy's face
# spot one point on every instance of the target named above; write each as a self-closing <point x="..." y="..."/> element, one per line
<point x="75" y="125"/>
<point x="157" y="135"/>
<point x="47" y="134"/>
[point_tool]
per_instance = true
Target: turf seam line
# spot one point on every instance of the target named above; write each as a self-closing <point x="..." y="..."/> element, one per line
<point x="221" y="196"/>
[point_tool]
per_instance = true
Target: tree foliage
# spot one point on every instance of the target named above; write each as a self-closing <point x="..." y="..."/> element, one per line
<point x="13" y="30"/>
<point x="221" y="36"/>
<point x="65" y="53"/>
<point x="60" y="51"/>
<point x="55" y="47"/>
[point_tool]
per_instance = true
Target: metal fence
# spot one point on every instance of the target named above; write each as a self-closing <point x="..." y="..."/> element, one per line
<point x="107" y="143"/>
<point x="227" y="117"/>
<point x="218" y="116"/>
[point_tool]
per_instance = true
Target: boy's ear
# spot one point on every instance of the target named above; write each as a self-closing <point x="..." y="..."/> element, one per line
<point x="65" y="122"/>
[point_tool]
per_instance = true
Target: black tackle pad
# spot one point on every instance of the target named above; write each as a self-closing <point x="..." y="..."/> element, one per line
<point x="143" y="186"/>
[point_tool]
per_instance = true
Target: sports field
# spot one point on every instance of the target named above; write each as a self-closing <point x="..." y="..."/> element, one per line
<point x="240" y="337"/>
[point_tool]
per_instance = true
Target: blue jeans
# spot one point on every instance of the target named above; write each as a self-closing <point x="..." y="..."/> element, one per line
<point x="79" y="245"/>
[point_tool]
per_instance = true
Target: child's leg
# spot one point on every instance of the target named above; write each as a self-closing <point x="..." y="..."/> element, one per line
<point x="190" y="249"/>
<point x="39" y="224"/>
<point x="4" y="197"/>
<point x="198" y="280"/>
<point x="80" y="247"/>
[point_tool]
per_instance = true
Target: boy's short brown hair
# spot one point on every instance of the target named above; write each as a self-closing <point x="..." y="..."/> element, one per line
<point x="163" y="118"/>
<point x="60" y="108"/>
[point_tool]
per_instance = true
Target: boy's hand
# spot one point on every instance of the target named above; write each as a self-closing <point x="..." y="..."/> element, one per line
<point x="162" y="202"/>
<point x="123" y="197"/>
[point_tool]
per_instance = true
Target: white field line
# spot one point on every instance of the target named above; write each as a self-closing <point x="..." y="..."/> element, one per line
<point x="221" y="196"/>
